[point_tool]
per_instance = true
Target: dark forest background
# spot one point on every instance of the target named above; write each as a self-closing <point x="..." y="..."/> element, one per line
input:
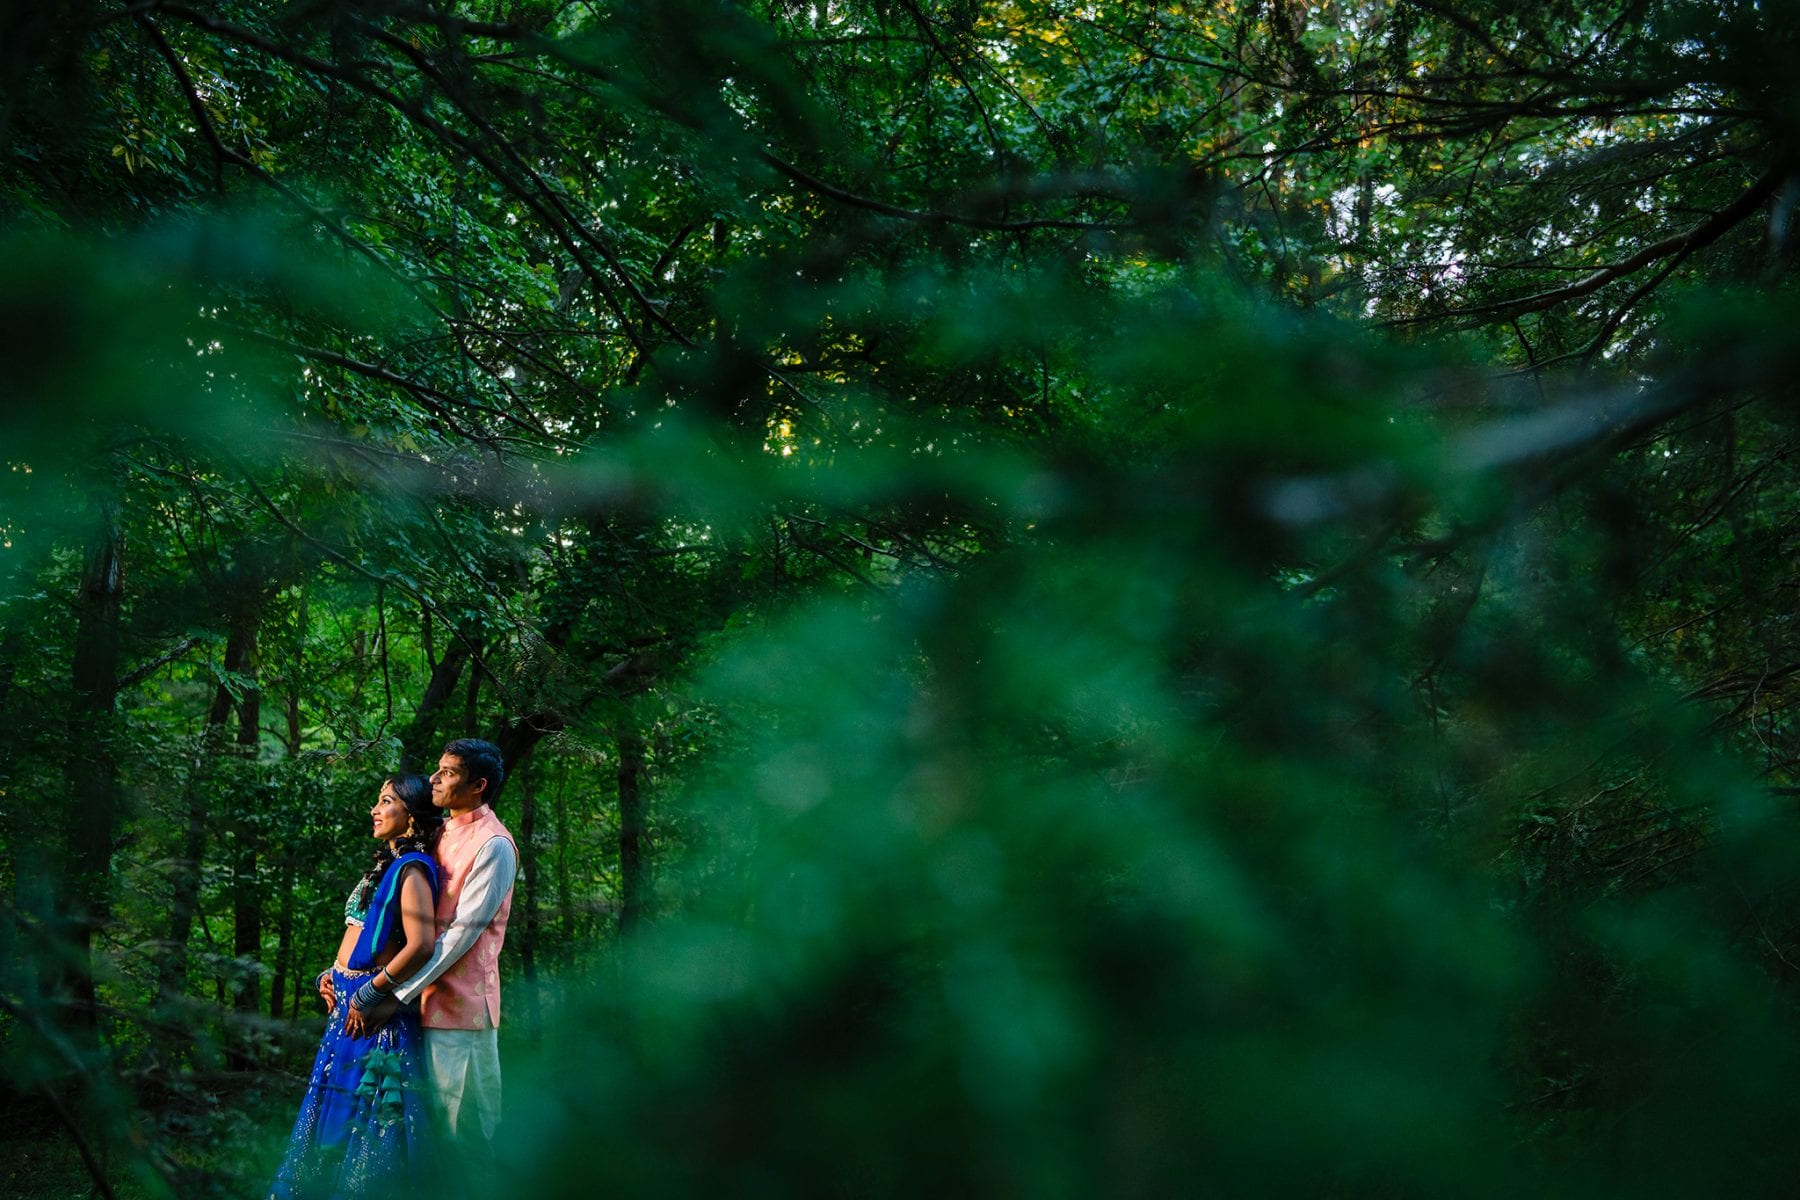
<point x="1110" y="599"/>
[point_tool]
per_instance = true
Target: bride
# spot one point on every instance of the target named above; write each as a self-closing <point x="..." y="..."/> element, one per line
<point x="364" y="1126"/>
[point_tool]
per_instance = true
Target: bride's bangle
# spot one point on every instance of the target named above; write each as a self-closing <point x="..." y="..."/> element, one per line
<point x="368" y="994"/>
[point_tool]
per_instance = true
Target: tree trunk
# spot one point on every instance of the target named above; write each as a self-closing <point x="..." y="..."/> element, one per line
<point x="184" y="900"/>
<point x="633" y="834"/>
<point x="11" y="647"/>
<point x="418" y="742"/>
<point x="294" y="676"/>
<point x="564" y="900"/>
<point x="90" y="774"/>
<point x="249" y="734"/>
<point x="528" y="866"/>
<point x="302" y="992"/>
<point x="293" y="720"/>
<point x="518" y="739"/>
<point x="246" y="912"/>
<point x="359" y="656"/>
<point x="284" y="939"/>
<point x="246" y="837"/>
<point x="471" y="701"/>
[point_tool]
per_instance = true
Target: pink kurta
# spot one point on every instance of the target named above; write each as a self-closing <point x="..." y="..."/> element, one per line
<point x="467" y="996"/>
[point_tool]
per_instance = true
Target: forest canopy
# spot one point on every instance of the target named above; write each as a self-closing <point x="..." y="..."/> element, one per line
<point x="1080" y="598"/>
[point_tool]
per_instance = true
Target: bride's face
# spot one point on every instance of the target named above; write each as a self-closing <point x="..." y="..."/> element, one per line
<point x="390" y="816"/>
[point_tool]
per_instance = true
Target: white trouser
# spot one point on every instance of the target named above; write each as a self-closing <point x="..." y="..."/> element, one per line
<point x="464" y="1068"/>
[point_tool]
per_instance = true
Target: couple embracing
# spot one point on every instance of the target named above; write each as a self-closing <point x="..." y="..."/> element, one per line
<point x="404" y="1095"/>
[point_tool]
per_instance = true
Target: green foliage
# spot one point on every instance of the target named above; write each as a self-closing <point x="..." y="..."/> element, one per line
<point x="1081" y="599"/>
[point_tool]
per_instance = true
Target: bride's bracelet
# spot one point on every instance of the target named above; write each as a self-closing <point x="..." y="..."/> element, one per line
<point x="368" y="994"/>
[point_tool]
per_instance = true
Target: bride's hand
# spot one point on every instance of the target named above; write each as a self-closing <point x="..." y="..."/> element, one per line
<point x="364" y="1022"/>
<point x="328" y="992"/>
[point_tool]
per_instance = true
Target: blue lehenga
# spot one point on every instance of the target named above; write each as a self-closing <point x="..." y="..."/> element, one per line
<point x="364" y="1128"/>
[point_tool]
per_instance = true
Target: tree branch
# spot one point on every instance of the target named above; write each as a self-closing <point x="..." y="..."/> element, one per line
<point x="927" y="216"/>
<point x="150" y="668"/>
<point x="1701" y="235"/>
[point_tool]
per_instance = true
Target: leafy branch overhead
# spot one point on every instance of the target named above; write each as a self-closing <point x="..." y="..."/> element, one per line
<point x="1077" y="596"/>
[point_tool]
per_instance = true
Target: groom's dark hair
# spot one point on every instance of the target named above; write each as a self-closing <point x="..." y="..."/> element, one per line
<point x="482" y="761"/>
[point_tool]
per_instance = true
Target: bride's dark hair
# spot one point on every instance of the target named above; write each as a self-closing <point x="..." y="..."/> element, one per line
<point x="414" y="792"/>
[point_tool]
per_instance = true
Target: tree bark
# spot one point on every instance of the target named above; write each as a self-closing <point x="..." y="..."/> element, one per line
<point x="293" y="719"/>
<point x="417" y="743"/>
<point x="11" y="647"/>
<point x="528" y="867"/>
<point x="184" y="900"/>
<point x="517" y="739"/>
<point x="294" y="675"/>
<point x="246" y="915"/>
<point x="528" y="864"/>
<point x="633" y="834"/>
<point x="90" y="775"/>
<point x="246" y="836"/>
<point x="565" y="903"/>
<point x="284" y="939"/>
<point x="471" y="701"/>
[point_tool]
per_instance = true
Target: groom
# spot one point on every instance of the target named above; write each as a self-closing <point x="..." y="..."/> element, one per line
<point x="458" y="988"/>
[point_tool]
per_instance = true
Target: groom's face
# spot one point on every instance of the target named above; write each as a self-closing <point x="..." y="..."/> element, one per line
<point x="451" y="786"/>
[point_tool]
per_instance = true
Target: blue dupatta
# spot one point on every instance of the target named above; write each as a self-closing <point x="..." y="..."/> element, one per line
<point x="382" y="920"/>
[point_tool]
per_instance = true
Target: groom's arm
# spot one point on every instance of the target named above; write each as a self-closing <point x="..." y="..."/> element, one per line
<point x="490" y="878"/>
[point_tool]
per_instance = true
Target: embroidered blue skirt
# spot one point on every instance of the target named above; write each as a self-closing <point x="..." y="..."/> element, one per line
<point x="364" y="1128"/>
